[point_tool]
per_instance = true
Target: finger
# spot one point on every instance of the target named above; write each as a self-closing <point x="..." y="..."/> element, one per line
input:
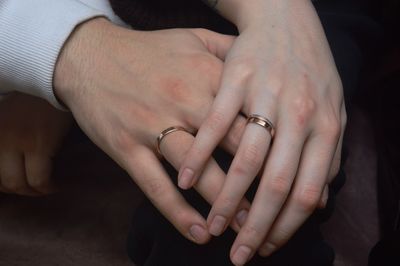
<point x="38" y="172"/>
<point x="216" y="43"/>
<point x="231" y="141"/>
<point x="13" y="177"/>
<point x="306" y="192"/>
<point x="324" y="198"/>
<point x="245" y="166"/>
<point x="276" y="181"/>
<point x="225" y="109"/>
<point x="143" y="166"/>
<point x="174" y="148"/>
<point x="336" y="162"/>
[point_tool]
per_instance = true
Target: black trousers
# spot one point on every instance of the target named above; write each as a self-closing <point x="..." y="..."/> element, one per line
<point x="153" y="241"/>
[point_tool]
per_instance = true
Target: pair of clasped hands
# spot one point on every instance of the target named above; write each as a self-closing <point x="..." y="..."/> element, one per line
<point x="124" y="87"/>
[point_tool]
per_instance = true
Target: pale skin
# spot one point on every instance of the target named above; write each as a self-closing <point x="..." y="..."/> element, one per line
<point x="279" y="67"/>
<point x="103" y="98"/>
<point x="133" y="86"/>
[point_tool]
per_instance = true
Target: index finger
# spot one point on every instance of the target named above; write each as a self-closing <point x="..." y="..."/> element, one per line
<point x="225" y="108"/>
<point x="146" y="170"/>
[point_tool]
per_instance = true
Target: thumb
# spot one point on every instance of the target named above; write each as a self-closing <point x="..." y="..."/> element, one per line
<point x="218" y="44"/>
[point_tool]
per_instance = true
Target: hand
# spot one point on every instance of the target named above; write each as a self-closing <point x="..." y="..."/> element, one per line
<point x="124" y="87"/>
<point x="279" y="67"/>
<point x="31" y="133"/>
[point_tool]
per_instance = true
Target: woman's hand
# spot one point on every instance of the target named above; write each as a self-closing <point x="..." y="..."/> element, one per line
<point x="31" y="131"/>
<point x="280" y="67"/>
<point x="125" y="87"/>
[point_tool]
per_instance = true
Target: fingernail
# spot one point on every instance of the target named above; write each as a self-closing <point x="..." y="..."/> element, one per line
<point x="217" y="225"/>
<point x="267" y="250"/>
<point x="241" y="217"/>
<point x="198" y="233"/>
<point x="241" y="255"/>
<point x="186" y="178"/>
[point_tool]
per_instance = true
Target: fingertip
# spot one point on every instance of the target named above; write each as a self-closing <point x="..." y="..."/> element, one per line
<point x="199" y="234"/>
<point x="186" y="180"/>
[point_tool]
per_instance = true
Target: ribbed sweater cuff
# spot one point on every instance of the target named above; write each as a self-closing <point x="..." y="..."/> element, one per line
<point x="32" y="34"/>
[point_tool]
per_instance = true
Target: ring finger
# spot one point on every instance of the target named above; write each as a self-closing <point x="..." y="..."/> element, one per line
<point x="275" y="185"/>
<point x="247" y="163"/>
<point x="174" y="148"/>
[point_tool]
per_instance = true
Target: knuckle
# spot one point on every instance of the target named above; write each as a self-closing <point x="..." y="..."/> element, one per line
<point x="183" y="218"/>
<point x="154" y="188"/>
<point x="309" y="198"/>
<point x="252" y="232"/>
<point x="175" y="89"/>
<point x="279" y="185"/>
<point x="243" y="69"/>
<point x="332" y="129"/>
<point x="281" y="236"/>
<point x="303" y="108"/>
<point x="122" y="141"/>
<point x="245" y="65"/>
<point x="239" y="169"/>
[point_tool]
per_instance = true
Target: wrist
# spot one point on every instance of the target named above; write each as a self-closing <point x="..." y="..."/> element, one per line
<point x="77" y="56"/>
<point x="251" y="13"/>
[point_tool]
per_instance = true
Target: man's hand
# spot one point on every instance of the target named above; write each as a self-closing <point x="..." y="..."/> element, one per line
<point x="31" y="131"/>
<point x="125" y="87"/>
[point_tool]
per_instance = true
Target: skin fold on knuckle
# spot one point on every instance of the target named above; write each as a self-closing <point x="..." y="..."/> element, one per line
<point x="174" y="89"/>
<point x="308" y="198"/>
<point x="251" y="236"/>
<point x="330" y="130"/>
<point x="302" y="110"/>
<point x="278" y="237"/>
<point x="155" y="189"/>
<point x="279" y="186"/>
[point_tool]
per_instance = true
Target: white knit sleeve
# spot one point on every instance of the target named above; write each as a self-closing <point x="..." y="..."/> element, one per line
<point x="32" y="33"/>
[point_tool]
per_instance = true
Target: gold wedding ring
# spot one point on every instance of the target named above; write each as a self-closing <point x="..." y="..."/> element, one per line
<point x="167" y="132"/>
<point x="262" y="121"/>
